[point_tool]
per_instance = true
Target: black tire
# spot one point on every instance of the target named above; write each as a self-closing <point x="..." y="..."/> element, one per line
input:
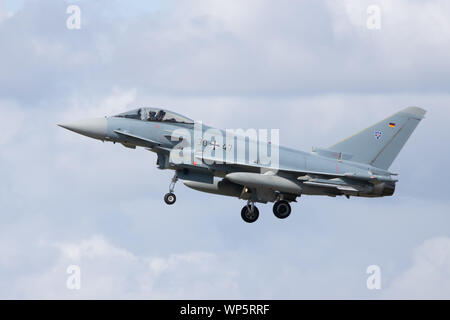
<point x="248" y="216"/>
<point x="282" y="209"/>
<point x="170" y="198"/>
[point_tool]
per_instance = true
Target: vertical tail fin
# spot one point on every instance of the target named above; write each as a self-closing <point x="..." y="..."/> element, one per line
<point x="380" y="144"/>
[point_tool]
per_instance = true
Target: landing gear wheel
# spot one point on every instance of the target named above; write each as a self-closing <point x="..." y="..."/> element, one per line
<point x="248" y="215"/>
<point x="282" y="209"/>
<point x="170" y="198"/>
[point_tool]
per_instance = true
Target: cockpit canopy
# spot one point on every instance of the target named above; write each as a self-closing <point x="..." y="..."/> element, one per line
<point x="156" y="115"/>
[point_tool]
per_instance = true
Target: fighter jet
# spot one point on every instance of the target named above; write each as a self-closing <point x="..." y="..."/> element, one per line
<point x="218" y="162"/>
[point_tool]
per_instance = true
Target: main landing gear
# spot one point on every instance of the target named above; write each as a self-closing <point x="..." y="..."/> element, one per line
<point x="250" y="212"/>
<point x="170" y="197"/>
<point x="282" y="209"/>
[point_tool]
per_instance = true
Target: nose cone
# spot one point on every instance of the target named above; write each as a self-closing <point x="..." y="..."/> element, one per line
<point x="93" y="128"/>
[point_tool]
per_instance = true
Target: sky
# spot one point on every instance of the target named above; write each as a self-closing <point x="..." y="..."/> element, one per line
<point x="312" y="69"/>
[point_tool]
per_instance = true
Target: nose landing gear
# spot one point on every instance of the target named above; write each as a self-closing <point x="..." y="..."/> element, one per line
<point x="170" y="197"/>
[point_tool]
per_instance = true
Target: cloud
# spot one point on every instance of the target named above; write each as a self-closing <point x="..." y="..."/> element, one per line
<point x="429" y="275"/>
<point x="2" y="11"/>
<point x="112" y="273"/>
<point x="11" y="121"/>
<point x="114" y="102"/>
<point x="310" y="69"/>
<point x="217" y="48"/>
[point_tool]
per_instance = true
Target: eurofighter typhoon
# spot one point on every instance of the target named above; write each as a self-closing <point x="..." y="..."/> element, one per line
<point x="254" y="167"/>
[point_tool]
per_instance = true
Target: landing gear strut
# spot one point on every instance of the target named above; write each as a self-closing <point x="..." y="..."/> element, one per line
<point x="170" y="197"/>
<point x="282" y="209"/>
<point x="250" y="212"/>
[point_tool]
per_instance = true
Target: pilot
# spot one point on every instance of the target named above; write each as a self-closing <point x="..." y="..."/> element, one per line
<point x="152" y="116"/>
<point x="160" y="115"/>
<point x="143" y="114"/>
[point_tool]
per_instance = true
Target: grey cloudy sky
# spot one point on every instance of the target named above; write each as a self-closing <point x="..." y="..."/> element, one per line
<point x="310" y="68"/>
